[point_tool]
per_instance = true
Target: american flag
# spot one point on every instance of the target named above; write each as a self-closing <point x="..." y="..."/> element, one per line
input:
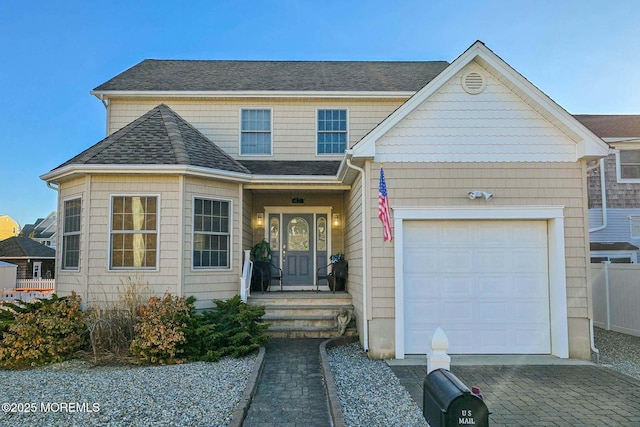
<point x="383" y="208"/>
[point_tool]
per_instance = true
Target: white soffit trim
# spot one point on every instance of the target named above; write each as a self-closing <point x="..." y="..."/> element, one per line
<point x="250" y="94"/>
<point x="557" y="265"/>
<point x="589" y="144"/>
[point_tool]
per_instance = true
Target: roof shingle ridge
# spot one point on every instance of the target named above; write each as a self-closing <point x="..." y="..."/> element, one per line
<point x="109" y="140"/>
<point x="169" y="119"/>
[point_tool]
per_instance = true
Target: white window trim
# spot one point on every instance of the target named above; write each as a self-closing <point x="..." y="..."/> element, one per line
<point x="158" y="210"/>
<point x="318" y="131"/>
<point x="240" y="153"/>
<point x="557" y="265"/>
<point x="619" y="177"/>
<point x="79" y="233"/>
<point x="193" y="232"/>
<point x="631" y="254"/>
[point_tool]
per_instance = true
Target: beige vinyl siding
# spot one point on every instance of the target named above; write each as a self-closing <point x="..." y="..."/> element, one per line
<point x="353" y="247"/>
<point x="247" y="220"/>
<point x="294" y="121"/>
<point x="103" y="284"/>
<point x="513" y="184"/>
<point x="209" y="284"/>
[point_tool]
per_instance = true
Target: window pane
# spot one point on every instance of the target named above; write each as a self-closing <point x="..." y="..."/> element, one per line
<point x="133" y="233"/>
<point x="211" y="240"/>
<point x="332" y="131"/>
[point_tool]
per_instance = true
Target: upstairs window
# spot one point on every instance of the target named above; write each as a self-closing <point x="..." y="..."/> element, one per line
<point x="134" y="232"/>
<point x="255" y="132"/>
<point x="211" y="233"/>
<point x="332" y="131"/>
<point x="628" y="165"/>
<point x="71" y="235"/>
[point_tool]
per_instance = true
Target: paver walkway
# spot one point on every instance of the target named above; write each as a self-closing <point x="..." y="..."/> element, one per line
<point x="290" y="390"/>
<point x="544" y="395"/>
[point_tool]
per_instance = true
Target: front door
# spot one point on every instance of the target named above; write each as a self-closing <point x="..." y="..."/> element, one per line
<point x="297" y="249"/>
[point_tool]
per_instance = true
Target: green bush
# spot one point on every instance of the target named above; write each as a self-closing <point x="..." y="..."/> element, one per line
<point x="232" y="329"/>
<point x="46" y="331"/>
<point x="160" y="329"/>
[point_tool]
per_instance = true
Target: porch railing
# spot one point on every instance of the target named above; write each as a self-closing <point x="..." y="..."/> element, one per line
<point x="12" y="295"/>
<point x="35" y="284"/>
<point x="245" y="280"/>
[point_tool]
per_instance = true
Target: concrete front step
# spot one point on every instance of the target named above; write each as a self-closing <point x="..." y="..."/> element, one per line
<point x="308" y="332"/>
<point x="303" y="314"/>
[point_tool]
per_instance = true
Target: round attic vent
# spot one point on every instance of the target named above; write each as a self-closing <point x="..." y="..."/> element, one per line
<point x="473" y="82"/>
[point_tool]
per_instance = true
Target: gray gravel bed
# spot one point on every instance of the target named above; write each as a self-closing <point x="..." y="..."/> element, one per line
<point x="620" y="352"/>
<point x="75" y="394"/>
<point x="369" y="392"/>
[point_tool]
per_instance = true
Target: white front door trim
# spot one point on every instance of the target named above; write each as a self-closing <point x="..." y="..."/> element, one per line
<point x="557" y="270"/>
<point x="312" y="210"/>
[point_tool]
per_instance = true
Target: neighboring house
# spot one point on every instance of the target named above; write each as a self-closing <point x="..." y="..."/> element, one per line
<point x="43" y="231"/>
<point x="8" y="275"/>
<point x="8" y="227"/>
<point x="34" y="260"/>
<point x="614" y="226"/>
<point x="203" y="159"/>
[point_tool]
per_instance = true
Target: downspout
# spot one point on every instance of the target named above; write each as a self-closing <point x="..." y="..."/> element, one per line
<point x="365" y="320"/>
<point x="603" y="196"/>
<point x="52" y="186"/>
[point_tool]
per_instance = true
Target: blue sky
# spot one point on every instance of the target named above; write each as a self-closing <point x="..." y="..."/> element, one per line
<point x="583" y="54"/>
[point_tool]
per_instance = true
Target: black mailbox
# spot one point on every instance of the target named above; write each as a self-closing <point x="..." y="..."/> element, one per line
<point x="448" y="402"/>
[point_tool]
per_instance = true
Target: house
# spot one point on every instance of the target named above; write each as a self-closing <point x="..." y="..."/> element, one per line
<point x="43" y="230"/>
<point x="614" y="196"/>
<point x="34" y="260"/>
<point x="8" y="227"/>
<point x="204" y="159"/>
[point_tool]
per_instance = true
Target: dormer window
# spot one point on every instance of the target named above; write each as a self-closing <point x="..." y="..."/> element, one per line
<point x="332" y="131"/>
<point x="255" y="132"/>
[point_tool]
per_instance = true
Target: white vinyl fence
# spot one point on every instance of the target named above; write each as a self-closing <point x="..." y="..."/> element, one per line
<point x="615" y="290"/>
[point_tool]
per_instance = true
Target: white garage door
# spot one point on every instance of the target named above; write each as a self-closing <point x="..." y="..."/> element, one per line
<point x="485" y="283"/>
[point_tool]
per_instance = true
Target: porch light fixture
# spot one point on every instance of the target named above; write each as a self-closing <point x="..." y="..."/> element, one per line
<point x="260" y="219"/>
<point x="336" y="220"/>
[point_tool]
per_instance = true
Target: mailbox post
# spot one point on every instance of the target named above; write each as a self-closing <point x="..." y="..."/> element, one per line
<point x="448" y="402"/>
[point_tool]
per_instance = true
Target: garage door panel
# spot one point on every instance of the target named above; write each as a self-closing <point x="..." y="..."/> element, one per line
<point x="419" y="259"/>
<point x="456" y="234"/>
<point x="421" y="288"/>
<point x="485" y="284"/>
<point x="491" y="260"/>
<point x="493" y="286"/>
<point x="456" y="287"/>
<point x="452" y="260"/>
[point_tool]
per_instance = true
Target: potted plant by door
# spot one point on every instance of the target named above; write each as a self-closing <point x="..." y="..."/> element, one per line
<point x="261" y="257"/>
<point x="339" y="272"/>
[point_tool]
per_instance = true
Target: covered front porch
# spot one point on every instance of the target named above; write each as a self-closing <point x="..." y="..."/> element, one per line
<point x="303" y="228"/>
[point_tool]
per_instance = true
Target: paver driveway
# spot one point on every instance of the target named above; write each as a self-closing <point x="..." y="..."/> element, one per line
<point x="544" y="395"/>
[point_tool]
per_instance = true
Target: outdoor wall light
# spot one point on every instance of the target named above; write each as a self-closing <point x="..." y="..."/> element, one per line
<point x="477" y="193"/>
<point x="336" y="220"/>
<point x="260" y="220"/>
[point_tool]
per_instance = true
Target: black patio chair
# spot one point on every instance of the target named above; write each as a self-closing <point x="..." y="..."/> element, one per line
<point x="335" y="274"/>
<point x="264" y="273"/>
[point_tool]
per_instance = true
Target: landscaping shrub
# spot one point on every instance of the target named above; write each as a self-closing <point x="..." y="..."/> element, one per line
<point x="160" y="329"/>
<point x="232" y="329"/>
<point x="42" y="332"/>
<point x="111" y="323"/>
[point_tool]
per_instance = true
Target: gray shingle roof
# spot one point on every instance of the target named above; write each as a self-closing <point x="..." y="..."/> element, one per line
<point x="279" y="167"/>
<point x="21" y="247"/>
<point x="349" y="76"/>
<point x="611" y="125"/>
<point x="159" y="137"/>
